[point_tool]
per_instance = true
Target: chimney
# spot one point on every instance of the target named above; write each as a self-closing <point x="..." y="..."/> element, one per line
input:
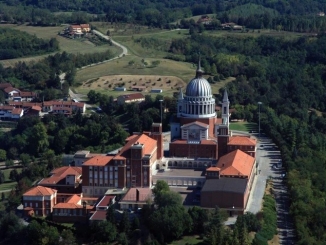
<point x="137" y="195"/>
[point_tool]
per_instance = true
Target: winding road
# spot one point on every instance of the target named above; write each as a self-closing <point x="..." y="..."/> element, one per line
<point x="124" y="52"/>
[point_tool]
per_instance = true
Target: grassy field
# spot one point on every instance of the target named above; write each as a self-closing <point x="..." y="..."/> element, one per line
<point x="189" y="240"/>
<point x="66" y="44"/>
<point x="6" y="172"/>
<point x="243" y="126"/>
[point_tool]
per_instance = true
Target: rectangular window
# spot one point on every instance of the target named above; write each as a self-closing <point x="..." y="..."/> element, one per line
<point x="106" y="169"/>
<point x="31" y="204"/>
<point x="116" y="183"/>
<point x="115" y="169"/>
<point x="26" y="204"/>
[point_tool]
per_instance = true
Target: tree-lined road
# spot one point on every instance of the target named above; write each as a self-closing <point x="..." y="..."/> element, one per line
<point x="268" y="156"/>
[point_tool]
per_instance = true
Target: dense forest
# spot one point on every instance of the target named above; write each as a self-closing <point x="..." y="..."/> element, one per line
<point x="15" y="44"/>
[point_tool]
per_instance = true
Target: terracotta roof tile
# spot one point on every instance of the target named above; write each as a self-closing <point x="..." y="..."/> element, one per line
<point x="236" y="163"/>
<point x="40" y="191"/>
<point x="98" y="161"/>
<point x="59" y="174"/>
<point x="149" y="144"/>
<point x="74" y="199"/>
<point x="242" y="140"/>
<point x="213" y="169"/>
<point x="36" y="108"/>
<point x="16" y="111"/>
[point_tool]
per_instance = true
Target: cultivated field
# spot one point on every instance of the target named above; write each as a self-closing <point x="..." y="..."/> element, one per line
<point x="66" y="44"/>
<point x="103" y="78"/>
<point x="106" y="84"/>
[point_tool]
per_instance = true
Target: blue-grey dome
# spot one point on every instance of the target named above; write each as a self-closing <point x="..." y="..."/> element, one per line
<point x="199" y="87"/>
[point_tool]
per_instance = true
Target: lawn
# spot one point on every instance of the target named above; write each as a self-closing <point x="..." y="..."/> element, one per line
<point x="189" y="240"/>
<point x="65" y="44"/>
<point x="7" y="185"/>
<point x="243" y="126"/>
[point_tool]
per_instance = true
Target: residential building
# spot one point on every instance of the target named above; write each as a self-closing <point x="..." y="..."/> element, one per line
<point x="66" y="107"/>
<point x="130" y="98"/>
<point x="85" y="27"/>
<point x="10" y="113"/>
<point x="39" y="200"/>
<point x="64" y="179"/>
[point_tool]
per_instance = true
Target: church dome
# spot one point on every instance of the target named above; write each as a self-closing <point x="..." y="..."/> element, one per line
<point x="199" y="87"/>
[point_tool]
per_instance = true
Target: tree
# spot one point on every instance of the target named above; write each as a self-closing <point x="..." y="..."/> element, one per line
<point x="103" y="231"/>
<point x="13" y="175"/>
<point x="199" y="218"/>
<point x="168" y="198"/>
<point x="215" y="229"/>
<point x="122" y="238"/>
<point x="160" y="186"/>
<point x="125" y="222"/>
<point x="68" y="238"/>
<point x="38" y="139"/>
<point x="2" y="177"/>
<point x="3" y="155"/>
<point x="110" y="213"/>
<point x="169" y="223"/>
<point x="25" y="159"/>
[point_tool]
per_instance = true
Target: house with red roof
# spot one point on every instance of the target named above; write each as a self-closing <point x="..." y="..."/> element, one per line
<point x="39" y="201"/>
<point x="65" y="179"/>
<point x="10" y="113"/>
<point x="136" y="198"/>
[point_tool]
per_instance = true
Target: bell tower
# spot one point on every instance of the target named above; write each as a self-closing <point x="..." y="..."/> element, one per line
<point x="222" y="130"/>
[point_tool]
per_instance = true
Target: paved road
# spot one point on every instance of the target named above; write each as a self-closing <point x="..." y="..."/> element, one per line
<point x="267" y="156"/>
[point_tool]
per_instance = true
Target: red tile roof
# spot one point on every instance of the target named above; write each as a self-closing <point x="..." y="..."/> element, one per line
<point x="27" y="94"/>
<point x="133" y="96"/>
<point x="10" y="89"/>
<point x="236" y="163"/>
<point x="59" y="174"/>
<point x="24" y="104"/>
<point x="242" y="140"/>
<point x="74" y="199"/>
<point x="63" y="103"/>
<point x="98" y="161"/>
<point x="40" y="191"/>
<point x="16" y="111"/>
<point x="98" y="215"/>
<point x="6" y="107"/>
<point x="36" y="108"/>
<point x="149" y="144"/>
<point x="105" y="201"/>
<point x="213" y="169"/>
<point x="144" y="195"/>
<point x="5" y="85"/>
